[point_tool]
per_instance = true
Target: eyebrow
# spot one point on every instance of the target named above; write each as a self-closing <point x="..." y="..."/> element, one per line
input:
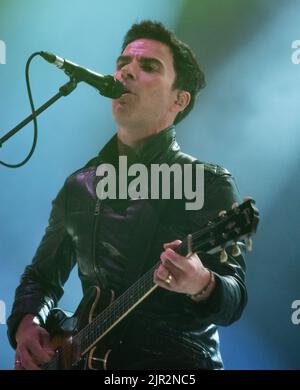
<point x="144" y="60"/>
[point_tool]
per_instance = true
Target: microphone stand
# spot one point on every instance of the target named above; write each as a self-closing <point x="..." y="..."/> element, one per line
<point x="64" y="90"/>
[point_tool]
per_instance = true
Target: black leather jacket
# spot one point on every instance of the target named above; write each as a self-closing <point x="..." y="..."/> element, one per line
<point x="115" y="241"/>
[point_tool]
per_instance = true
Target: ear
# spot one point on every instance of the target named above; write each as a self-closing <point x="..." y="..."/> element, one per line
<point x="182" y="101"/>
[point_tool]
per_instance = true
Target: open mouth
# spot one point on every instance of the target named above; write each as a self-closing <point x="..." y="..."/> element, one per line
<point x="127" y="91"/>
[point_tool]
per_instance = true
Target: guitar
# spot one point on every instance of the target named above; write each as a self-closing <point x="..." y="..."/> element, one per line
<point x="76" y="339"/>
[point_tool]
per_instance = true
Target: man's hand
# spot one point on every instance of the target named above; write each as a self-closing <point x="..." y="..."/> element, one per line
<point x="181" y="274"/>
<point x="32" y="345"/>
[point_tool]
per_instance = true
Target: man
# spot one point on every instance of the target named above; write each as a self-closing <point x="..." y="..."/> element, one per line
<point x="114" y="241"/>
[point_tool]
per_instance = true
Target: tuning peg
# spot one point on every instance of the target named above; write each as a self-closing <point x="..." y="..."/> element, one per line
<point x="235" y="207"/>
<point x="248" y="242"/>
<point x="247" y="198"/>
<point x="222" y="213"/>
<point x="236" y="250"/>
<point x="223" y="256"/>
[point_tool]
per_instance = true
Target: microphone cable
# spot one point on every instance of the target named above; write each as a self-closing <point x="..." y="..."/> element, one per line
<point x="35" y="128"/>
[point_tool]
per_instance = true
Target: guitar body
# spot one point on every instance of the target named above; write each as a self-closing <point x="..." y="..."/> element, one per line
<point x="69" y="354"/>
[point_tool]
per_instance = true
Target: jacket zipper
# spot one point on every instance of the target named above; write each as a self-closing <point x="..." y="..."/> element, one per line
<point x="96" y="215"/>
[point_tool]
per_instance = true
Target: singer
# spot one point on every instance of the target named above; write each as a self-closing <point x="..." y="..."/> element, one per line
<point x="115" y="242"/>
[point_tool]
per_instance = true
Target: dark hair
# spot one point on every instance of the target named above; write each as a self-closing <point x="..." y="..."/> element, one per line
<point x="189" y="76"/>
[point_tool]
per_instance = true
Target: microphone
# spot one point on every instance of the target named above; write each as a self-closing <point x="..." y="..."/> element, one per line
<point x="107" y="85"/>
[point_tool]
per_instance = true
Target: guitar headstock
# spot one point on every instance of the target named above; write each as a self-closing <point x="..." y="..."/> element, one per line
<point x="231" y="226"/>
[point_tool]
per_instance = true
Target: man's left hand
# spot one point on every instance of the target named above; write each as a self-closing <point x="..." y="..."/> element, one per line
<point x="181" y="274"/>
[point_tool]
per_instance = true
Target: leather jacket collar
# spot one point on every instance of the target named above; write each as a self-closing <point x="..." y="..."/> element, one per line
<point x="151" y="150"/>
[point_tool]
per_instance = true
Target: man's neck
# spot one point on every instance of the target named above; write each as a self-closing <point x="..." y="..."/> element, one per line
<point x="135" y="138"/>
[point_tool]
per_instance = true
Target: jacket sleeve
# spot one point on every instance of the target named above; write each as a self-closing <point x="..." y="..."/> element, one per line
<point x="42" y="282"/>
<point x="227" y="301"/>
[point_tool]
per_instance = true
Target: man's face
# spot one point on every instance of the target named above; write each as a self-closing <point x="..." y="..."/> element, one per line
<point x="146" y="69"/>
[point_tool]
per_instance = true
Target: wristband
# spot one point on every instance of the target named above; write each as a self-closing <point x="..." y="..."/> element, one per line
<point x="201" y="294"/>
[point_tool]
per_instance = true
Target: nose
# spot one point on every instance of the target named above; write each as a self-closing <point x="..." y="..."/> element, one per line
<point x="126" y="73"/>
